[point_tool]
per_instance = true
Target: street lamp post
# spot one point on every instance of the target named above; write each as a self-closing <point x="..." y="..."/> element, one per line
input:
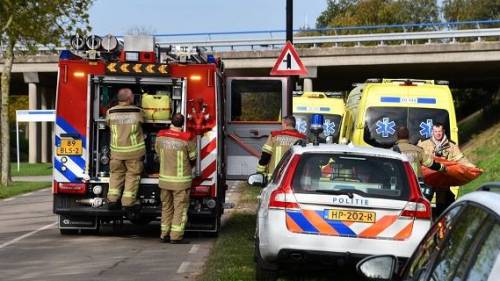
<point x="289" y="37"/>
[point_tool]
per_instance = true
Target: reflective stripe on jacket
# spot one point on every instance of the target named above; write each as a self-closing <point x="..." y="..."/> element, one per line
<point x="176" y="150"/>
<point x="276" y="145"/>
<point x="126" y="136"/>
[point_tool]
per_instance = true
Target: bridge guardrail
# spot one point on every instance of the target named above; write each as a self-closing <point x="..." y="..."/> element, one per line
<point x="443" y="32"/>
<point x="357" y="39"/>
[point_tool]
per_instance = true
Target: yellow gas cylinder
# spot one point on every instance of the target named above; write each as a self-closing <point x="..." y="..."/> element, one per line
<point x="156" y="107"/>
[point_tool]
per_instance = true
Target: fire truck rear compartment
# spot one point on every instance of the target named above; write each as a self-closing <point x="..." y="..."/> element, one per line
<point x="204" y="214"/>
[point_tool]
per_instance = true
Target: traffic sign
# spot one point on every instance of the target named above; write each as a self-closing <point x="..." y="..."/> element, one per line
<point x="289" y="63"/>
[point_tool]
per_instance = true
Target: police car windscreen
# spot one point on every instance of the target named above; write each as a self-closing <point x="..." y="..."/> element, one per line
<point x="331" y="125"/>
<point x="342" y="174"/>
<point x="381" y="124"/>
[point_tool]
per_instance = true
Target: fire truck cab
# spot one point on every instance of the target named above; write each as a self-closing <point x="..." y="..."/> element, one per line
<point x="164" y="81"/>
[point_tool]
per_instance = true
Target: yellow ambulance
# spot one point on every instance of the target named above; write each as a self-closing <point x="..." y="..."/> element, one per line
<point x="329" y="104"/>
<point x="376" y="108"/>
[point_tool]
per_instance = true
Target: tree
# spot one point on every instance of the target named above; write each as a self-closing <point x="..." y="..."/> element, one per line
<point x="30" y="23"/>
<point x="462" y="10"/>
<point x="377" y="12"/>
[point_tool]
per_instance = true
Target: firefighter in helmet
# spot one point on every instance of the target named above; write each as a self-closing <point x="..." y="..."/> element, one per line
<point x="177" y="153"/>
<point x="127" y="151"/>
<point x="277" y="144"/>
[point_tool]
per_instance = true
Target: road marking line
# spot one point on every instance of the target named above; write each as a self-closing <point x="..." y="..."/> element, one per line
<point x="183" y="268"/>
<point x="8" y="199"/>
<point x="27" y="194"/>
<point x="26" y="235"/>
<point x="194" y="249"/>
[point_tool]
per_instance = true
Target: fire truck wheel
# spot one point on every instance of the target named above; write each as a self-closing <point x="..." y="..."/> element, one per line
<point x="141" y="220"/>
<point x="65" y="231"/>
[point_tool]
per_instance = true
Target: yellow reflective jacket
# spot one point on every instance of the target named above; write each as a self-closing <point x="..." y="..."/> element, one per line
<point x="127" y="139"/>
<point x="276" y="145"/>
<point x="176" y="150"/>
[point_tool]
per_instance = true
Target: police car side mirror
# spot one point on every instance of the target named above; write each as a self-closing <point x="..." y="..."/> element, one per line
<point x="377" y="268"/>
<point x="256" y="180"/>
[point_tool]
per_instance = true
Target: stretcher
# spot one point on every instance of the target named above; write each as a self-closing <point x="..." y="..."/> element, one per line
<point x="456" y="174"/>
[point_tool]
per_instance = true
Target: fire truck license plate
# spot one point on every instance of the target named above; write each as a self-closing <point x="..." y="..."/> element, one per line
<point x="70" y="147"/>
<point x="350" y="215"/>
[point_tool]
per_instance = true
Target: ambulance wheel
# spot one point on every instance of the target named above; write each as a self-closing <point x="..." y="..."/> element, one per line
<point x="65" y="231"/>
<point x="263" y="270"/>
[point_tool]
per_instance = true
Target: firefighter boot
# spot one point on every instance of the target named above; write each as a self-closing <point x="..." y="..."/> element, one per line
<point x="182" y="241"/>
<point x="114" y="206"/>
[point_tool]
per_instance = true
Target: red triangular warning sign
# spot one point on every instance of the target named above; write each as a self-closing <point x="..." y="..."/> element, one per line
<point x="288" y="63"/>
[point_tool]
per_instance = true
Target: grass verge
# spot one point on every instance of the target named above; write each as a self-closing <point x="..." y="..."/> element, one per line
<point x="484" y="151"/>
<point x="27" y="169"/>
<point x="17" y="188"/>
<point x="232" y="255"/>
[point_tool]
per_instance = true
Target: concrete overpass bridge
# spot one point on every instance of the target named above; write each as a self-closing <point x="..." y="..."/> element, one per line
<point x="467" y="57"/>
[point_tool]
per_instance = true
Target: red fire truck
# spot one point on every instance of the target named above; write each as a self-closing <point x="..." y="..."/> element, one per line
<point x="182" y="79"/>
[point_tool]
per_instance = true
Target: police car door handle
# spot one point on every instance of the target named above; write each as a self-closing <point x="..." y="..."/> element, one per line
<point x="254" y="132"/>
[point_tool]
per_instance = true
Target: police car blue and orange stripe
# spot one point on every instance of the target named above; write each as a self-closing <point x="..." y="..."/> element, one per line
<point x="389" y="226"/>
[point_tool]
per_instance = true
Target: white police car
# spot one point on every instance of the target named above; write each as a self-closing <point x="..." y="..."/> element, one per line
<point x="332" y="201"/>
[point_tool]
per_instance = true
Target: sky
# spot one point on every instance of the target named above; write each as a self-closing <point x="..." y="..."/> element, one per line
<point x="193" y="16"/>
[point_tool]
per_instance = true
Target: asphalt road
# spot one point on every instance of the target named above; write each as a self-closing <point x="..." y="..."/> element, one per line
<point x="31" y="248"/>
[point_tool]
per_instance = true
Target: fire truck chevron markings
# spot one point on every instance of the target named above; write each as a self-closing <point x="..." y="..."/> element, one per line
<point x="163" y="69"/>
<point x="124" y="67"/>
<point x="111" y="67"/>
<point x="150" y="68"/>
<point x="137" y="68"/>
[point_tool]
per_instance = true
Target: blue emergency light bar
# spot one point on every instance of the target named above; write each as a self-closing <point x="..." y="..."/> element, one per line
<point x="317" y="121"/>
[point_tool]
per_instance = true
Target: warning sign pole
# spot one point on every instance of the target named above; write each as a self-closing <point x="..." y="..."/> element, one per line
<point x="289" y="37"/>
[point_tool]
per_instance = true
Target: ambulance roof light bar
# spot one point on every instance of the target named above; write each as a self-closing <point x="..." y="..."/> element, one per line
<point x="334" y="94"/>
<point x="373" y="80"/>
<point x="442" y="82"/>
<point x="408" y="82"/>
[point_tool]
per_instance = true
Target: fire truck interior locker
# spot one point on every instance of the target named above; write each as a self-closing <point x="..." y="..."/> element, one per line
<point x="103" y="95"/>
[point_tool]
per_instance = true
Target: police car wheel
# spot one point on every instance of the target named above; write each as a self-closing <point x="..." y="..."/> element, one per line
<point x="64" y="231"/>
<point x="263" y="270"/>
<point x="262" y="274"/>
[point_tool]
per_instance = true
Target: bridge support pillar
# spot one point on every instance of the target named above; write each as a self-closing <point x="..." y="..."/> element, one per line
<point x="33" y="136"/>
<point x="44" y="136"/>
<point x="32" y="79"/>
<point x="308" y="85"/>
